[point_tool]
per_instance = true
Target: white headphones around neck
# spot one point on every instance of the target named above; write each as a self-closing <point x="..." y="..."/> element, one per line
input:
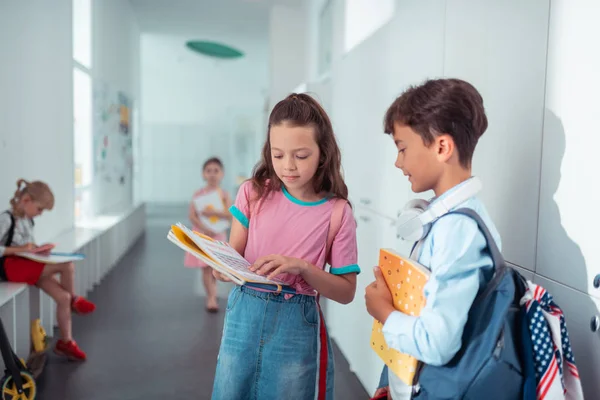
<point x="417" y="216"/>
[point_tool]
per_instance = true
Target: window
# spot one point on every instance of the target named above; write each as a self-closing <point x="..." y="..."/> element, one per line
<point x="82" y="107"/>
<point x="82" y="113"/>
<point x="82" y="32"/>
<point x="365" y="17"/>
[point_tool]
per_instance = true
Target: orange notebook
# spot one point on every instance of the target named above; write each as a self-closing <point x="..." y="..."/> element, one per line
<point x="406" y="279"/>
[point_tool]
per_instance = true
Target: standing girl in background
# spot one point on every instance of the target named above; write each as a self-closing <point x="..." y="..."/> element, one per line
<point x="276" y="346"/>
<point x="213" y="173"/>
<point x="16" y="235"/>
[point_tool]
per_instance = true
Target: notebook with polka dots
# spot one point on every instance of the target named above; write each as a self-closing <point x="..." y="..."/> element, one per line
<point x="406" y="279"/>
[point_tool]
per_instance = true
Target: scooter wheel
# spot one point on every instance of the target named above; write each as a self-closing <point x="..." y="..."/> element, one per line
<point x="9" y="388"/>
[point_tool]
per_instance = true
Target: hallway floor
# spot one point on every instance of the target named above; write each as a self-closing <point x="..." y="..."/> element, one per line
<point x="150" y="337"/>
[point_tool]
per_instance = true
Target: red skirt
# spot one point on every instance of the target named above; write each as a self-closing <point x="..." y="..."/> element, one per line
<point x="23" y="270"/>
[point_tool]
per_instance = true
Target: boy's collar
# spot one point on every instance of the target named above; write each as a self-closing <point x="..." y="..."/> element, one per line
<point x="449" y="192"/>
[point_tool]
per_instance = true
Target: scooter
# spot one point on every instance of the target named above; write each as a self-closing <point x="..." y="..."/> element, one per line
<point x="18" y="382"/>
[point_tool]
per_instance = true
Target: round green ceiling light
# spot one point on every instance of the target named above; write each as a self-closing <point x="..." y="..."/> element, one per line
<point x="213" y="49"/>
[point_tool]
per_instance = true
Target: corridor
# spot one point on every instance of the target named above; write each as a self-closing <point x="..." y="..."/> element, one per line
<point x="150" y="337"/>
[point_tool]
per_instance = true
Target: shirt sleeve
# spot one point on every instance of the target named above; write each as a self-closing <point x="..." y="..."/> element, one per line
<point x="344" y="253"/>
<point x="241" y="208"/>
<point x="5" y="222"/>
<point x="29" y="236"/>
<point x="456" y="264"/>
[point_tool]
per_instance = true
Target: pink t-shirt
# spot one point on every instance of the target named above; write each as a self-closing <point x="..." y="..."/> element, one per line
<point x="284" y="225"/>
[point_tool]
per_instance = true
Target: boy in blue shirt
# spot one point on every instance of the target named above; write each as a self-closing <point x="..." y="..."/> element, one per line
<point x="435" y="127"/>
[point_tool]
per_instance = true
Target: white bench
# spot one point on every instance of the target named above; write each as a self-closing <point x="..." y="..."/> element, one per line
<point x="14" y="311"/>
<point x="104" y="240"/>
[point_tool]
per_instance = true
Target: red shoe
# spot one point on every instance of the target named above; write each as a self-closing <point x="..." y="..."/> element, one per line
<point x="82" y="306"/>
<point x="69" y="350"/>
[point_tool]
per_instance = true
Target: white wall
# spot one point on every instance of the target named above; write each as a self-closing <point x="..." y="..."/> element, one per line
<point x="567" y="248"/>
<point x="195" y="107"/>
<point x="507" y="65"/>
<point x="36" y="121"/>
<point x="536" y="159"/>
<point x="116" y="61"/>
<point x="287" y="50"/>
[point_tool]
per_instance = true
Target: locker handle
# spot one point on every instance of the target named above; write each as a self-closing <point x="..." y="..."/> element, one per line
<point x="595" y="323"/>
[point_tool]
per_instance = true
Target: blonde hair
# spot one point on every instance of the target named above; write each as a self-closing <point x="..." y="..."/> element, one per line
<point x="37" y="190"/>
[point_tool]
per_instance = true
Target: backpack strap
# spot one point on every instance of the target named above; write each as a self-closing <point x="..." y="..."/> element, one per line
<point x="335" y="224"/>
<point x="11" y="230"/>
<point x="253" y="208"/>
<point x="498" y="262"/>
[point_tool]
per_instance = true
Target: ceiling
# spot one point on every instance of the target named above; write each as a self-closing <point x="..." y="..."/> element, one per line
<point x="208" y="19"/>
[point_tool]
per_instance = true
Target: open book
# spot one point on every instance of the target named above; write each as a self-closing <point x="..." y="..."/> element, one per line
<point x="223" y="258"/>
<point x="405" y="278"/>
<point x="52" y="258"/>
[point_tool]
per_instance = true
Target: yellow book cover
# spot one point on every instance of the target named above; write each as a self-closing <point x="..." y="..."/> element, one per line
<point x="406" y="279"/>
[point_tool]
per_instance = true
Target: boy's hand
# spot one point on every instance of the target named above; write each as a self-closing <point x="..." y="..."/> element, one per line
<point x="382" y="393"/>
<point x="380" y="303"/>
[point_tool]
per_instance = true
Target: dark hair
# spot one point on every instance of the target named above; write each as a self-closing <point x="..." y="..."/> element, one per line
<point x="441" y="106"/>
<point x="212" y="160"/>
<point x="302" y="110"/>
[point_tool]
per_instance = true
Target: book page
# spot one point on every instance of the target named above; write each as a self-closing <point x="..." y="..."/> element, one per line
<point x="53" y="258"/>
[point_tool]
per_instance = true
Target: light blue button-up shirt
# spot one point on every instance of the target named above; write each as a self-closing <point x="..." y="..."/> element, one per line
<point x="456" y="253"/>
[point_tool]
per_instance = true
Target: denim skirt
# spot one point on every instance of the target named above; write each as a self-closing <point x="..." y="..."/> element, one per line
<point x="273" y="348"/>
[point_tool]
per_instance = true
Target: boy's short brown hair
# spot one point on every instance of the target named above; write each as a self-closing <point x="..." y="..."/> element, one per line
<point x="441" y="106"/>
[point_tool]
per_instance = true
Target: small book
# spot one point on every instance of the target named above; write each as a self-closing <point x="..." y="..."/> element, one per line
<point x="406" y="279"/>
<point x="223" y="258"/>
<point x="52" y="258"/>
<point x="212" y="201"/>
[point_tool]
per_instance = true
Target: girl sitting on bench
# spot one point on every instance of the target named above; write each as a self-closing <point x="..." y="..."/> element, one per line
<point x="16" y="236"/>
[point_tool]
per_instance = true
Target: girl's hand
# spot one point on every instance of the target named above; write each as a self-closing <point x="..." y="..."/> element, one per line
<point x="43" y="249"/>
<point x="218" y="214"/>
<point x="28" y="247"/>
<point x="274" y="265"/>
<point x="219" y="276"/>
<point x="209" y="233"/>
<point x="209" y="212"/>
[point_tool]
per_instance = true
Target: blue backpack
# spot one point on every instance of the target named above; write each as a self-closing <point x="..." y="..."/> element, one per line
<point x="495" y="360"/>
